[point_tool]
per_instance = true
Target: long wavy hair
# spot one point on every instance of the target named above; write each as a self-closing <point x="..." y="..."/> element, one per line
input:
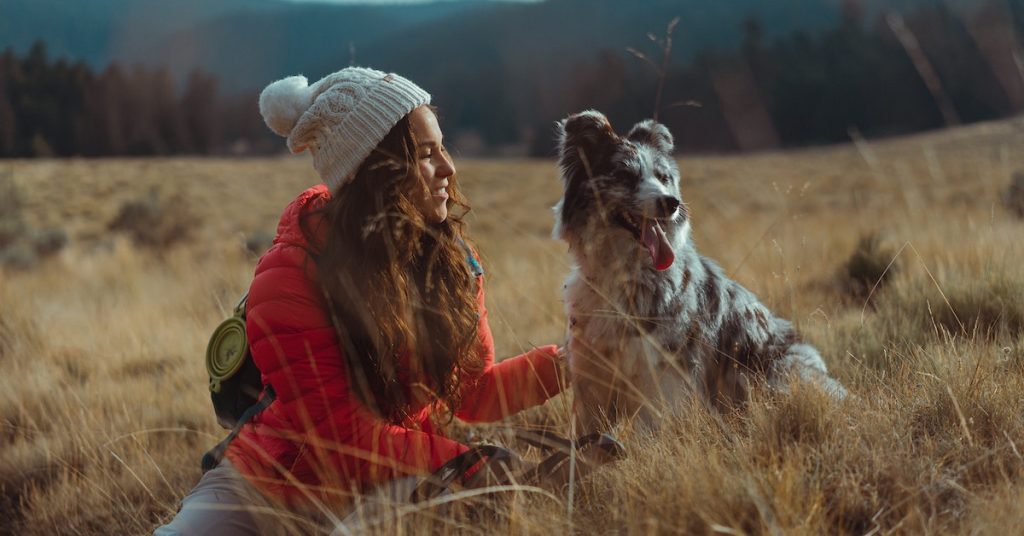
<point x="399" y="289"/>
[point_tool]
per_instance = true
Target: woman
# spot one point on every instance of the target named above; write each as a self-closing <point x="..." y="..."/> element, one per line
<point x="367" y="314"/>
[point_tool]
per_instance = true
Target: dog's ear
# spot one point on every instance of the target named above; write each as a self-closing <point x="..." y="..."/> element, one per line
<point x="650" y="132"/>
<point x="583" y="139"/>
<point x="586" y="134"/>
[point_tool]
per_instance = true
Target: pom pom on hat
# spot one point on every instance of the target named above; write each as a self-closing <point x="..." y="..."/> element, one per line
<point x="282" y="103"/>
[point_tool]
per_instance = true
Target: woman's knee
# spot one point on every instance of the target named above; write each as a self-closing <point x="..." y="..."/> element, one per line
<point x="219" y="504"/>
<point x="205" y="516"/>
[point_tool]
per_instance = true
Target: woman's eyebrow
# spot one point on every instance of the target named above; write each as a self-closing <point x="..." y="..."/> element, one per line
<point x="430" y="143"/>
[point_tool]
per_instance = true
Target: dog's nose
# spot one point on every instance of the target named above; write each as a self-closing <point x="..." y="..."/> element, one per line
<point x="668" y="204"/>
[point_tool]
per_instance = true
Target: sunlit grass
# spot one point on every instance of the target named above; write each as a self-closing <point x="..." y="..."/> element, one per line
<point x="104" y="412"/>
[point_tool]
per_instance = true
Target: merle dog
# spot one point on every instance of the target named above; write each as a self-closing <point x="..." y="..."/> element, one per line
<point x="652" y="321"/>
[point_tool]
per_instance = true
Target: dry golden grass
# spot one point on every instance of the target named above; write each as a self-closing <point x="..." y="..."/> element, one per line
<point x="104" y="411"/>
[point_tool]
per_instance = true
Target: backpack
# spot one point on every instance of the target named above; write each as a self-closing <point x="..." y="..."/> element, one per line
<point x="235" y="383"/>
<point x="236" y="386"/>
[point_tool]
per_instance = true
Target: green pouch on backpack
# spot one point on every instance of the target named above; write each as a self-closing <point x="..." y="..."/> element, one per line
<point x="235" y="383"/>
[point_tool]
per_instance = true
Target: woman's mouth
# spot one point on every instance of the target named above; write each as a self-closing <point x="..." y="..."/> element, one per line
<point x="440" y="193"/>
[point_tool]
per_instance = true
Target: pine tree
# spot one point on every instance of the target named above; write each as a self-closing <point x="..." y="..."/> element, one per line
<point x="8" y="128"/>
<point x="105" y="112"/>
<point x="200" y="105"/>
<point x="169" y="117"/>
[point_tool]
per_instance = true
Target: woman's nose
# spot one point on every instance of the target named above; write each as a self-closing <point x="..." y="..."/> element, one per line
<point x="447" y="167"/>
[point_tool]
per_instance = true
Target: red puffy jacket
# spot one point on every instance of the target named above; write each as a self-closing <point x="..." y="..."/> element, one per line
<point x="317" y="441"/>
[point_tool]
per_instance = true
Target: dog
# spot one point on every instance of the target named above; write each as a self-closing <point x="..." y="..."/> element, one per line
<point x="651" y="321"/>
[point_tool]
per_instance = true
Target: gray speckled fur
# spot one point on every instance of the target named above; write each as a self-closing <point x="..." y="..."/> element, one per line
<point x="640" y="340"/>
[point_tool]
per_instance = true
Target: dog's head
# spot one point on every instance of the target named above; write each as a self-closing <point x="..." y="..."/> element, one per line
<point x="627" y="185"/>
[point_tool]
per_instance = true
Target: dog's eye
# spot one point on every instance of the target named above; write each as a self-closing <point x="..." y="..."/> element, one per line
<point x="663" y="177"/>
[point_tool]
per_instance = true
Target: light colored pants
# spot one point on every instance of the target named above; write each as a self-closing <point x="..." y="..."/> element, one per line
<point x="373" y="513"/>
<point x="223" y="503"/>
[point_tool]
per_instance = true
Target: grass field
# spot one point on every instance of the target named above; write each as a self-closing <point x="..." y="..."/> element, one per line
<point x="104" y="411"/>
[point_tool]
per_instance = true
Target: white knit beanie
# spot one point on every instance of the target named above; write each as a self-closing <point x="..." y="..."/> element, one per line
<point x="341" y="118"/>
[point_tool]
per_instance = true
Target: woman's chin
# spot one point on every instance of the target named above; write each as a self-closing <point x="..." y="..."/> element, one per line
<point x="434" y="211"/>
<point x="439" y="216"/>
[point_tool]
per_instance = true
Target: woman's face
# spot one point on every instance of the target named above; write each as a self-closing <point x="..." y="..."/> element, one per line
<point x="435" y="165"/>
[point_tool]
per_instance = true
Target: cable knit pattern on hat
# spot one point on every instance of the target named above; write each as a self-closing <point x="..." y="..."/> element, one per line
<point x="340" y="118"/>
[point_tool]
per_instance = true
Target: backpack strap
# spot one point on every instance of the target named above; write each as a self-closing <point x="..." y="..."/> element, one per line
<point x="455" y="468"/>
<point x="213" y="457"/>
<point x="474" y="265"/>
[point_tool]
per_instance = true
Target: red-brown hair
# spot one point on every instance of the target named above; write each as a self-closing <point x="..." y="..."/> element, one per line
<point x="397" y="285"/>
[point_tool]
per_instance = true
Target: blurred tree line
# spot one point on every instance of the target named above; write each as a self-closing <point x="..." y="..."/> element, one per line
<point x="57" y="108"/>
<point x="857" y="78"/>
<point x="874" y="74"/>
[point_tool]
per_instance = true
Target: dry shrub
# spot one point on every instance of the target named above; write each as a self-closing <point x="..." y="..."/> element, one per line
<point x="258" y="242"/>
<point x="21" y="247"/>
<point x="26" y="251"/>
<point x="1013" y="198"/>
<point x="989" y="307"/>
<point x="154" y="221"/>
<point x="49" y="242"/>
<point x="18" y="256"/>
<point x="868" y="268"/>
<point x="12" y="221"/>
<point x="915" y="313"/>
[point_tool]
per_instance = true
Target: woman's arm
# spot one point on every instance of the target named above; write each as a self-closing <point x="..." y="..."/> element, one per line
<point x="512" y="385"/>
<point x="294" y="344"/>
<point x="343" y="436"/>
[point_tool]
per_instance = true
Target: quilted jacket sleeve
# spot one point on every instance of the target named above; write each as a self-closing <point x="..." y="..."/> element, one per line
<point x="294" y="345"/>
<point x="512" y="385"/>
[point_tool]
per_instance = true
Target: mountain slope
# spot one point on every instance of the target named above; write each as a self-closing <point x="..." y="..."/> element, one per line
<point x="100" y="30"/>
<point x="246" y="42"/>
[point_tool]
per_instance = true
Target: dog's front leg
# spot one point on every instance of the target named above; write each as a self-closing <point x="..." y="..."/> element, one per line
<point x="593" y="389"/>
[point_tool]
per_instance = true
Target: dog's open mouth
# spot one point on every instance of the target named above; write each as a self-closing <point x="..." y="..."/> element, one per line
<point x="649" y="233"/>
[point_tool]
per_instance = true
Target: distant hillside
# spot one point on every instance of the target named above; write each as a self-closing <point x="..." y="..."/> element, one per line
<point x="249" y="48"/>
<point x="549" y="35"/>
<point x="99" y="31"/>
<point x="247" y="42"/>
<point x="744" y="74"/>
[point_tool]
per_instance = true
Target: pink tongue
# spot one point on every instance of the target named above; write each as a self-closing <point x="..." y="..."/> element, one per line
<point x="657" y="245"/>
